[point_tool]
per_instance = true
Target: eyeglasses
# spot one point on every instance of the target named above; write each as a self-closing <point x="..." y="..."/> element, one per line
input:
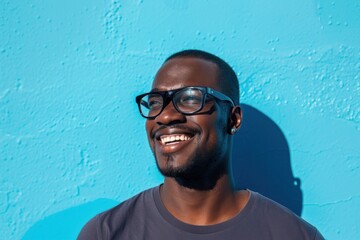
<point x="187" y="100"/>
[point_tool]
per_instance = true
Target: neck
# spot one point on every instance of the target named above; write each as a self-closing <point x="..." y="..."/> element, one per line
<point x="204" y="181"/>
<point x="202" y="207"/>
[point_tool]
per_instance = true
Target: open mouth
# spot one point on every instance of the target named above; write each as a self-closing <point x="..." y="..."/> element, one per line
<point x="174" y="138"/>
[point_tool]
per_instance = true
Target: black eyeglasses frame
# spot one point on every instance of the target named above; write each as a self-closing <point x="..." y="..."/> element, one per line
<point x="168" y="97"/>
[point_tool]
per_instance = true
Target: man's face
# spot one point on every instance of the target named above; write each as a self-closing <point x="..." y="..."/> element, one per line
<point x="203" y="145"/>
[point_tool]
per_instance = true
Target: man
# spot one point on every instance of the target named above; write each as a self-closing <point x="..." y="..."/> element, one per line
<point x="192" y="114"/>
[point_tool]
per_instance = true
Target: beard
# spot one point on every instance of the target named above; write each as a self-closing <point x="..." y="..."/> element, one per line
<point x="201" y="172"/>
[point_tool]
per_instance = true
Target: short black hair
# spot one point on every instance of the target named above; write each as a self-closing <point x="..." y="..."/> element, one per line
<point x="225" y="74"/>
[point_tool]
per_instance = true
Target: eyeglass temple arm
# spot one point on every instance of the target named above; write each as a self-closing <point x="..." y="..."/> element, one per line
<point x="220" y="95"/>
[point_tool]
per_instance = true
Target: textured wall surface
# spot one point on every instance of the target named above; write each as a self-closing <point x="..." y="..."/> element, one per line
<point x="72" y="142"/>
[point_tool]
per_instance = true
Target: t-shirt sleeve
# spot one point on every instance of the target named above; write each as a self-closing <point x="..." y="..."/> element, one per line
<point x="90" y="230"/>
<point x="318" y="236"/>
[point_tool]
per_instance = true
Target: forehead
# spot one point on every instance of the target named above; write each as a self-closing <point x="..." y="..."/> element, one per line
<point x="186" y="71"/>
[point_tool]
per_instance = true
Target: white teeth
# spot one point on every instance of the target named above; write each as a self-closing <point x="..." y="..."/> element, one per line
<point x="168" y="139"/>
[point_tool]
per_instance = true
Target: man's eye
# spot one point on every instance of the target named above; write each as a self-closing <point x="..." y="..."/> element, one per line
<point x="154" y="103"/>
<point x="191" y="100"/>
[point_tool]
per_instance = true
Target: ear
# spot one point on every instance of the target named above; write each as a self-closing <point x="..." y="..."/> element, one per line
<point x="235" y="119"/>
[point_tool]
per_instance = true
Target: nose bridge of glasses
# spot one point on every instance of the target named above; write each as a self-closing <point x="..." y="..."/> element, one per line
<point x="169" y="102"/>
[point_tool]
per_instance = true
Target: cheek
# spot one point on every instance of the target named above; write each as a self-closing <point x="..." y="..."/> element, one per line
<point x="219" y="129"/>
<point x="223" y="122"/>
<point x="212" y="129"/>
<point x="148" y="128"/>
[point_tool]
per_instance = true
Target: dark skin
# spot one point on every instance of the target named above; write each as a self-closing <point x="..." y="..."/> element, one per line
<point x="197" y="188"/>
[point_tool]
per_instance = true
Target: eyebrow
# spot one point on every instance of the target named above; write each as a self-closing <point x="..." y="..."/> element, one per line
<point x="159" y="90"/>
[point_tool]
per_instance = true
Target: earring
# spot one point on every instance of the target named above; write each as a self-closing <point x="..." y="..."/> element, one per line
<point x="233" y="130"/>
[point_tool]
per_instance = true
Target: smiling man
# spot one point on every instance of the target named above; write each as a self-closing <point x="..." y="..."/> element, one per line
<point x="192" y="113"/>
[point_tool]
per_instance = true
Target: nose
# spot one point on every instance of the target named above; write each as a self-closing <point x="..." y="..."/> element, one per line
<point x="170" y="116"/>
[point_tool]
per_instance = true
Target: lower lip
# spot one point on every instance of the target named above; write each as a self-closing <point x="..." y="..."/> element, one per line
<point x="173" y="147"/>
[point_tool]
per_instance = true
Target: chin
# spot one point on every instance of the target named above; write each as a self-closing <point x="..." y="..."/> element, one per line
<point x="168" y="169"/>
<point x="198" y="175"/>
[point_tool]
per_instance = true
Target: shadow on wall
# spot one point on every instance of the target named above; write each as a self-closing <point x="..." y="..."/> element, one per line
<point x="261" y="160"/>
<point x="66" y="225"/>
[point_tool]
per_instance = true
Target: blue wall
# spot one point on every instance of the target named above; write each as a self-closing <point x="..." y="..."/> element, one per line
<point x="72" y="142"/>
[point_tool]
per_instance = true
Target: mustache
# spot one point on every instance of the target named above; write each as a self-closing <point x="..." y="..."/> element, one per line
<point x="177" y="127"/>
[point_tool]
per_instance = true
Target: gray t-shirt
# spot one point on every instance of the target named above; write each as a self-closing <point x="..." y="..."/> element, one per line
<point x="145" y="217"/>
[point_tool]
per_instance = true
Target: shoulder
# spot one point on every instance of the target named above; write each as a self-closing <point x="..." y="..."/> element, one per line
<point x="282" y="220"/>
<point x="131" y="205"/>
<point x="118" y="216"/>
